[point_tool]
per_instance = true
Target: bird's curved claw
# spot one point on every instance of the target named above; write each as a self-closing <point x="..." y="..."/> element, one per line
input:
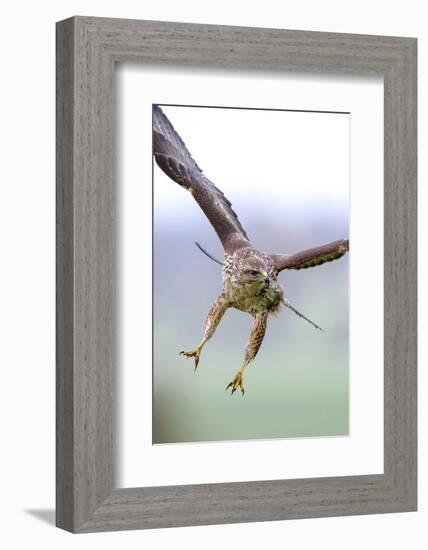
<point x="194" y="353"/>
<point x="236" y="383"/>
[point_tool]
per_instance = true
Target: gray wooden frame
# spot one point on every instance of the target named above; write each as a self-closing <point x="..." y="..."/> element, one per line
<point x="87" y="50"/>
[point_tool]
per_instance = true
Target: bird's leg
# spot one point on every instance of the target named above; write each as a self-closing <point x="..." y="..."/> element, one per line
<point x="257" y="334"/>
<point x="215" y="314"/>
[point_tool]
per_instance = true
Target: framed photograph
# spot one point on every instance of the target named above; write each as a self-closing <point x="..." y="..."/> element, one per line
<point x="236" y="274"/>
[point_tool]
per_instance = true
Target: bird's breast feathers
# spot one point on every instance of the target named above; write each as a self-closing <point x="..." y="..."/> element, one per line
<point x="254" y="298"/>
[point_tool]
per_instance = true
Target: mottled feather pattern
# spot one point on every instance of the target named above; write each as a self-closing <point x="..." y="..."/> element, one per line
<point x="257" y="334"/>
<point x="252" y="297"/>
<point x="313" y="257"/>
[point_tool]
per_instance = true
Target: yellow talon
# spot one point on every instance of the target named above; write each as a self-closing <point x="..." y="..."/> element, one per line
<point x="194" y="353"/>
<point x="236" y="383"/>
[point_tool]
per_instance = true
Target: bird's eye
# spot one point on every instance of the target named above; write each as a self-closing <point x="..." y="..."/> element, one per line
<point x="253" y="272"/>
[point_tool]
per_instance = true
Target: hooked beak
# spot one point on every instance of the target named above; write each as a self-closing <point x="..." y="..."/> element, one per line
<point x="266" y="279"/>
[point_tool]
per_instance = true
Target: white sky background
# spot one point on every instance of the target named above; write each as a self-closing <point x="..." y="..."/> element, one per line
<point x="277" y="158"/>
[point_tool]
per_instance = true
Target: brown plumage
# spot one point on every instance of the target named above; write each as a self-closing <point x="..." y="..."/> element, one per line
<point x="250" y="277"/>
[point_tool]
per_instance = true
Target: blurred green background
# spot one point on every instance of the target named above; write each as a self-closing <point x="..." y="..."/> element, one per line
<point x="297" y="386"/>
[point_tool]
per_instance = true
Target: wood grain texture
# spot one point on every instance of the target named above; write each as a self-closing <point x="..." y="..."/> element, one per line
<point x="64" y="278"/>
<point x="87" y="49"/>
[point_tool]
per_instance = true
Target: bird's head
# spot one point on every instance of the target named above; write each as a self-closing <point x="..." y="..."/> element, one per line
<point x="257" y="272"/>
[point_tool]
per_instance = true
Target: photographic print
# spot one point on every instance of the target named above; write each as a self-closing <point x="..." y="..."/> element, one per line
<point x="250" y="275"/>
<point x="319" y="417"/>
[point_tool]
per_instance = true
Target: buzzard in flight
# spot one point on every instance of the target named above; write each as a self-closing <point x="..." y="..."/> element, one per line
<point x="250" y="277"/>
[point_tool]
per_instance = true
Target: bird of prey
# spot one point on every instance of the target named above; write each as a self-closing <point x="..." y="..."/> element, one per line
<point x="250" y="276"/>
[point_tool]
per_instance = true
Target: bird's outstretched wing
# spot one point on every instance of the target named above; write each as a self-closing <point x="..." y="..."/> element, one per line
<point x="175" y="160"/>
<point x="313" y="256"/>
